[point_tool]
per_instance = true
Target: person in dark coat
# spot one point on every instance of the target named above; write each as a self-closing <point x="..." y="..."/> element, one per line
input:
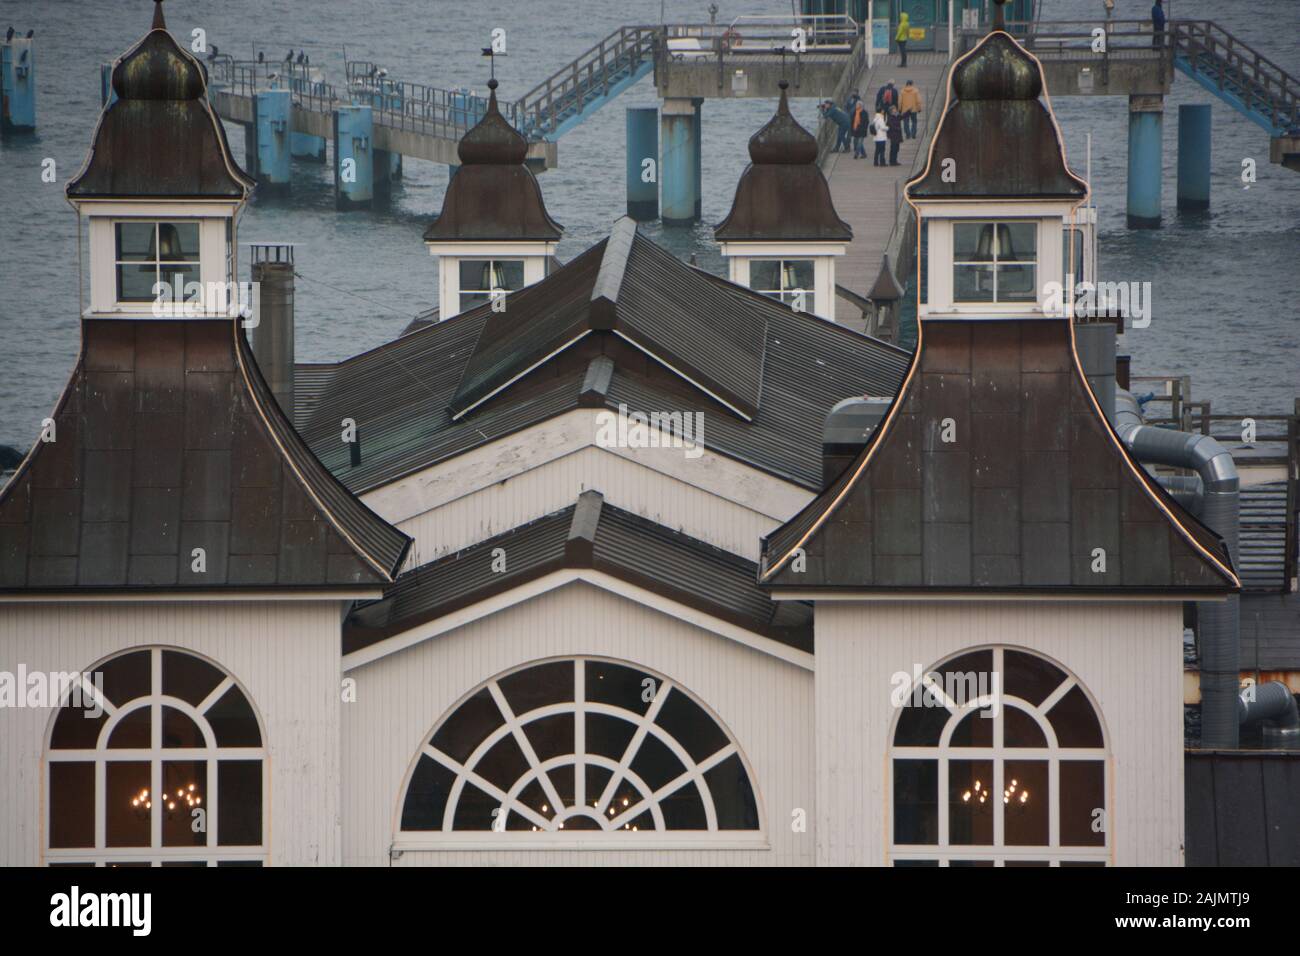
<point x="1158" y="24"/>
<point x="842" y="123"/>
<point x="894" y="125"/>
<point x="886" y="97"/>
<point x="861" y="126"/>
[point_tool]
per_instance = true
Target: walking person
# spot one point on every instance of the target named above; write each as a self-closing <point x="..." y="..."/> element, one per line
<point x="1158" y="25"/>
<point x="904" y="29"/>
<point x="861" y="125"/>
<point x="843" y="127"/>
<point x="880" y="133"/>
<point x="894" y="130"/>
<point x="910" y="102"/>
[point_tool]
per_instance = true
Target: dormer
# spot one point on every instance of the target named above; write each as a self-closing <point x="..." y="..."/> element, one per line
<point x="160" y="191"/>
<point x="1003" y="230"/>
<point x="494" y="235"/>
<point x="782" y="236"/>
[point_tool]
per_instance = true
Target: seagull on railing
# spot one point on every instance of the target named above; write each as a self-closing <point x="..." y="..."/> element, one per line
<point x="289" y="58"/>
<point x="261" y="56"/>
<point x="212" y="54"/>
<point x="10" y="35"/>
<point x="30" y="34"/>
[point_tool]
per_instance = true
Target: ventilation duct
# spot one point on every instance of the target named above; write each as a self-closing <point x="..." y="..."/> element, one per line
<point x="1216" y="490"/>
<point x="848" y="426"/>
<point x="1273" y="703"/>
<point x="272" y="336"/>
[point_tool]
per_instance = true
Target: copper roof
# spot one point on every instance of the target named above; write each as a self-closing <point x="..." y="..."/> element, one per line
<point x="1032" y="482"/>
<point x="782" y="194"/>
<point x="1001" y="140"/>
<point x="160" y="138"/>
<point x="167" y="439"/>
<point x="493" y="195"/>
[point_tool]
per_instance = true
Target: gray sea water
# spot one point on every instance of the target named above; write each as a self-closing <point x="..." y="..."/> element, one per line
<point x="1224" y="284"/>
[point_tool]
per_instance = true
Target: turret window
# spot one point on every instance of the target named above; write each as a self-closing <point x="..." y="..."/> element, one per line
<point x="995" y="261"/>
<point x="148" y="253"/>
<point x="480" y="277"/>
<point x="782" y="279"/>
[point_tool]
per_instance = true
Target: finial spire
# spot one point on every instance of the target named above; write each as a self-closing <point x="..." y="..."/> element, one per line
<point x="999" y="18"/>
<point x="158" y="22"/>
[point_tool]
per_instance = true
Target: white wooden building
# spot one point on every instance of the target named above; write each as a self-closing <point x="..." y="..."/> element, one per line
<point x="577" y="587"/>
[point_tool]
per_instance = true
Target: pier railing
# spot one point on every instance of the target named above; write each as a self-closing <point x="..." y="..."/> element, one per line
<point x="1267" y="92"/>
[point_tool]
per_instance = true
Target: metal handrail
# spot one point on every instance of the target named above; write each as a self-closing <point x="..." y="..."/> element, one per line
<point x="1264" y="84"/>
<point x="569" y="88"/>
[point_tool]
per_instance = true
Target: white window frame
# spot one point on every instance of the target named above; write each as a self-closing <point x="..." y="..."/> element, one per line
<point x="993" y="263"/>
<point x="493" y="261"/>
<point x="156" y="854"/>
<point x="781" y="293"/>
<point x="548" y="834"/>
<point x="999" y="852"/>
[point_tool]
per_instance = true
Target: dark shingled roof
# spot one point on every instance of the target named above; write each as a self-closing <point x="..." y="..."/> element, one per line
<point x="627" y="286"/>
<point x="782" y="195"/>
<point x="494" y="195"/>
<point x="588" y="534"/>
<point x="1004" y="141"/>
<point x="400" y="393"/>
<point x="168" y="439"/>
<point x="160" y="138"/>
<point x="1033" y="481"/>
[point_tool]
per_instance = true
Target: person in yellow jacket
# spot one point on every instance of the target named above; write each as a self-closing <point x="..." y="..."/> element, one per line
<point x="904" y="28"/>
<point x="909" y="104"/>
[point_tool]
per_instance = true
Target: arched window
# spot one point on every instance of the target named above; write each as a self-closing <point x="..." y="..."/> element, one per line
<point x="156" y="758"/>
<point x="998" y="758"/>
<point x="579" y="745"/>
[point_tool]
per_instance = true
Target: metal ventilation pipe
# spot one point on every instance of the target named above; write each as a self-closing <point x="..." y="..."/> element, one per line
<point x="848" y="426"/>
<point x="1218" y="621"/>
<point x="272" y="336"/>
<point x="1272" y="702"/>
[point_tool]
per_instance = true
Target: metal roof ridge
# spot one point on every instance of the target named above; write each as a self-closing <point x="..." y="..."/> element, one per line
<point x="609" y="278"/>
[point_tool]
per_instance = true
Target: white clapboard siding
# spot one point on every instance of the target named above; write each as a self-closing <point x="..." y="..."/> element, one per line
<point x="1127" y="655"/>
<point x="624" y="482"/>
<point x="285" y="655"/>
<point x="764" y="702"/>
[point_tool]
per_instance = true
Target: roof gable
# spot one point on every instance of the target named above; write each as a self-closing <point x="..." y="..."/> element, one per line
<point x="593" y="535"/>
<point x="628" y="287"/>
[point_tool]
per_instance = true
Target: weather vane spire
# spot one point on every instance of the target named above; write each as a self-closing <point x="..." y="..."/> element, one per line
<point x="158" y="22"/>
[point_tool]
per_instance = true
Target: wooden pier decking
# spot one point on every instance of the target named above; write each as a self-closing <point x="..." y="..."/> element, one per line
<point x="867" y="197"/>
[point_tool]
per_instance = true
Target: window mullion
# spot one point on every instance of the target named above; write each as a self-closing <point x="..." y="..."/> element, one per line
<point x="155" y="743"/>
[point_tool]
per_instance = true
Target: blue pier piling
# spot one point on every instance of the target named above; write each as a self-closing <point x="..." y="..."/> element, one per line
<point x="354" y="176"/>
<point x="643" y="176"/>
<point x="18" y="86"/>
<point x="1145" y="151"/>
<point x="1194" y="156"/>
<point x="698" y="140"/>
<point x="679" y="167"/>
<point x="272" y="119"/>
